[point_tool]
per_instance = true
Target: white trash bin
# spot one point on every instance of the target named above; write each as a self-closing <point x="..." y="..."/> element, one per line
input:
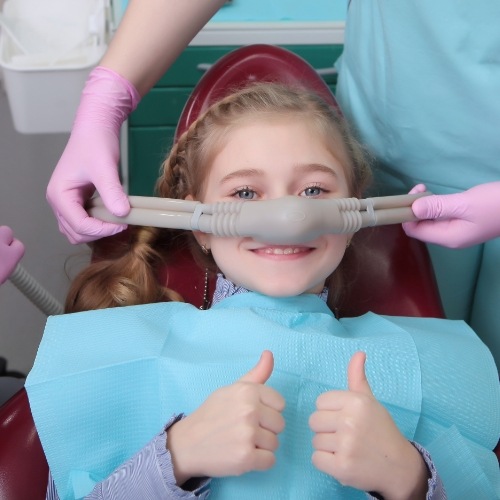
<point x="44" y="85"/>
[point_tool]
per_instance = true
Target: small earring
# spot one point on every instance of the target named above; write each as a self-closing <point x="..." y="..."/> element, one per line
<point x="205" y="250"/>
<point x="348" y="244"/>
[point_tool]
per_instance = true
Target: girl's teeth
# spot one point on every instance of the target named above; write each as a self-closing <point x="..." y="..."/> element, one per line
<point x="282" y="251"/>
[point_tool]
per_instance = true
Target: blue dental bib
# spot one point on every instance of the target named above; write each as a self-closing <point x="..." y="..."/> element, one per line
<point x="105" y="382"/>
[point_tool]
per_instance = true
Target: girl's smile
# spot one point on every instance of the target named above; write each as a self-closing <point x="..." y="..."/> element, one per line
<point x="283" y="251"/>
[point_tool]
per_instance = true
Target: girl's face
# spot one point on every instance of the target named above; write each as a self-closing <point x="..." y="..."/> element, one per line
<point x="266" y="160"/>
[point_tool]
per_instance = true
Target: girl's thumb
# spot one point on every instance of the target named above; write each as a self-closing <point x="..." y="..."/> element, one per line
<point x="356" y="376"/>
<point x="261" y="372"/>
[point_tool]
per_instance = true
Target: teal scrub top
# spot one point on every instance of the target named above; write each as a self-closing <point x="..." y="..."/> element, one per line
<point x="420" y="80"/>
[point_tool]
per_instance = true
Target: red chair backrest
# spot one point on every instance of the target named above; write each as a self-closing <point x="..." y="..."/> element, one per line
<point x="23" y="468"/>
<point x="250" y="64"/>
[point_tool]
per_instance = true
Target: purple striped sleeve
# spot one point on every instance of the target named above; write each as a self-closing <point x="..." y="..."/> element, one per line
<point x="148" y="475"/>
<point x="435" y="488"/>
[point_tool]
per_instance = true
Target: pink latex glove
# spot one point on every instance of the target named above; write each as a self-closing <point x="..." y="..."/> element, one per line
<point x="457" y="220"/>
<point x="89" y="161"/>
<point x="11" y="252"/>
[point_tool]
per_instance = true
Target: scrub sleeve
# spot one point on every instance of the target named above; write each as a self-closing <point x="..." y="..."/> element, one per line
<point x="419" y="80"/>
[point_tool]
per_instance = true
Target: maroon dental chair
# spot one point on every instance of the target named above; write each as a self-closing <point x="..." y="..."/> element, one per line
<point x="392" y="274"/>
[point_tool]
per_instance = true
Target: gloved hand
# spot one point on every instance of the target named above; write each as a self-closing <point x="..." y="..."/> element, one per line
<point x="11" y="252"/>
<point x="90" y="158"/>
<point x="457" y="220"/>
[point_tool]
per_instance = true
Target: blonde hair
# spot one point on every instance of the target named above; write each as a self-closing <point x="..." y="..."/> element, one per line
<point x="132" y="277"/>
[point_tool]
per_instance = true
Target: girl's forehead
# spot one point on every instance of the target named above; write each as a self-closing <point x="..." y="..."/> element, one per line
<point x="297" y="132"/>
<point x="282" y="150"/>
<point x="264" y="123"/>
<point x="261" y="135"/>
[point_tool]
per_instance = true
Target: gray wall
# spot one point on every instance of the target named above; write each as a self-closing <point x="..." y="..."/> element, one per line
<point x="26" y="163"/>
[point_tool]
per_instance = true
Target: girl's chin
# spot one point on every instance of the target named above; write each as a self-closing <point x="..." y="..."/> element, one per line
<point x="286" y="291"/>
<point x="279" y="284"/>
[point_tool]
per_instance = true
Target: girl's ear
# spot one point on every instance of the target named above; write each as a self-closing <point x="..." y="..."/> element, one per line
<point x="200" y="238"/>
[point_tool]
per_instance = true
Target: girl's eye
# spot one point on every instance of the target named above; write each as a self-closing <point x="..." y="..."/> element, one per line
<point x="312" y="191"/>
<point x="245" y="193"/>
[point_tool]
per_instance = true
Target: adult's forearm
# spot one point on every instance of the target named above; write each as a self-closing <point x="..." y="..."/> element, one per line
<point x="151" y="36"/>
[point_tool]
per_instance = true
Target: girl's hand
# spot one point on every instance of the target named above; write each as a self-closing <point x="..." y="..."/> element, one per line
<point x="358" y="443"/>
<point x="234" y="431"/>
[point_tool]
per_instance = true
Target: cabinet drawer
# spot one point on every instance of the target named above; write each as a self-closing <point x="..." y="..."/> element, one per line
<point x="160" y="107"/>
<point x="163" y="105"/>
<point x="147" y="148"/>
<point x="185" y="70"/>
<point x="319" y="57"/>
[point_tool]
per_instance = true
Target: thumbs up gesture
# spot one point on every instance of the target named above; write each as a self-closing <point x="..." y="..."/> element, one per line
<point x="234" y="431"/>
<point x="357" y="442"/>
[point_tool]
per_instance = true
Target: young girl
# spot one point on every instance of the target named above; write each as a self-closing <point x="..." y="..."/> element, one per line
<point x="313" y="425"/>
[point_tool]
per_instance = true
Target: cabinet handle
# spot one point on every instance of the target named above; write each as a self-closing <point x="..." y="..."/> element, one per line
<point x="326" y="71"/>
<point x="203" y="67"/>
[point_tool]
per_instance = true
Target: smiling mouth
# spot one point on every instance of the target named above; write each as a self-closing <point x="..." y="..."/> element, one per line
<point x="283" y="250"/>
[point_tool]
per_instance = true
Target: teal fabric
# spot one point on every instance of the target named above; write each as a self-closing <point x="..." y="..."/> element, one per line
<point x="105" y="382"/>
<point x="420" y="80"/>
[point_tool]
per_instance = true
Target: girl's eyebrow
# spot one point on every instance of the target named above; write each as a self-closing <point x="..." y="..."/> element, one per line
<point x="244" y="172"/>
<point x="301" y="168"/>
<point x="316" y="167"/>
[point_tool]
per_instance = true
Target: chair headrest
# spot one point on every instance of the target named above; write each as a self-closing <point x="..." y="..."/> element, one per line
<point x="246" y="65"/>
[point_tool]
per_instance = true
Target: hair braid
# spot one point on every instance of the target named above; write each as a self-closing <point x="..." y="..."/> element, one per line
<point x="127" y="277"/>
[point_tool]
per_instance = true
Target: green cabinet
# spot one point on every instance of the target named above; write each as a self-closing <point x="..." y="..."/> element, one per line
<point x="151" y="126"/>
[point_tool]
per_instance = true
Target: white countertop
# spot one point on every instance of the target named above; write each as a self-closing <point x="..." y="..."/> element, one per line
<point x="222" y="30"/>
<point x="279" y="33"/>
